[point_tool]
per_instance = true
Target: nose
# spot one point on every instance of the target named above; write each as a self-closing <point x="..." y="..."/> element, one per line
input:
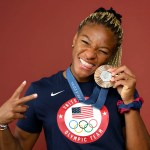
<point x="90" y="54"/>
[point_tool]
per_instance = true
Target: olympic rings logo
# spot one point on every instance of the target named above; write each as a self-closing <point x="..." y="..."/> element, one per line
<point x="83" y="125"/>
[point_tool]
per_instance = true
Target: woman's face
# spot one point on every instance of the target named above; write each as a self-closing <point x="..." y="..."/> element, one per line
<point x="93" y="46"/>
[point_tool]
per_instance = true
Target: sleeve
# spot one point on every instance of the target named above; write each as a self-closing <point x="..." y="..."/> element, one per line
<point x="31" y="123"/>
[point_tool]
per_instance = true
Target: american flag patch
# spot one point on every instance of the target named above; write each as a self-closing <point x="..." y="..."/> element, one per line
<point x="82" y="112"/>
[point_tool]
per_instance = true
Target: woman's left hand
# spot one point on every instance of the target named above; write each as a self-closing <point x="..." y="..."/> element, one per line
<point x="125" y="81"/>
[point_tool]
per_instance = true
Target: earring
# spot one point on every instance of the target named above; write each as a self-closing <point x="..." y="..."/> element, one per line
<point x="72" y="46"/>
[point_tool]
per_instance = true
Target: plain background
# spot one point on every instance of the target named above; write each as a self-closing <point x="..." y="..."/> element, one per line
<point x="36" y="38"/>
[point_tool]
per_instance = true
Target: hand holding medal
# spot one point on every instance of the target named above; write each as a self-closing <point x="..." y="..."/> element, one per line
<point x="125" y="81"/>
<point x="121" y="78"/>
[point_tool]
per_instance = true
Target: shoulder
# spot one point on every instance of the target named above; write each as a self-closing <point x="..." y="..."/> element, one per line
<point x="48" y="81"/>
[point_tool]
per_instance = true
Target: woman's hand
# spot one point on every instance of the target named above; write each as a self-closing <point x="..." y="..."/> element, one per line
<point x="125" y="81"/>
<point x="14" y="108"/>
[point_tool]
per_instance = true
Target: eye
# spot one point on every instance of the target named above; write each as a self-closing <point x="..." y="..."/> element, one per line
<point x="103" y="52"/>
<point x="85" y="42"/>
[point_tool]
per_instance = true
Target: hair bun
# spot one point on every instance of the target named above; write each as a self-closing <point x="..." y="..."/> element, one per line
<point x="111" y="10"/>
<point x="101" y="9"/>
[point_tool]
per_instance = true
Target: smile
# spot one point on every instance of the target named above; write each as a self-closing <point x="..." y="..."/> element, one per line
<point x="85" y="64"/>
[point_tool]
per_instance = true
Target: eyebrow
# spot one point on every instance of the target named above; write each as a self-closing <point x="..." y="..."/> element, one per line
<point x="86" y="37"/>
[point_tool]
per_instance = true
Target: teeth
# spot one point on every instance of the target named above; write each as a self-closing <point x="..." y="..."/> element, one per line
<point x="85" y="63"/>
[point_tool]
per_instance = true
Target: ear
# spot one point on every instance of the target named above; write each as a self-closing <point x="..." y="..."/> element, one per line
<point x="75" y="38"/>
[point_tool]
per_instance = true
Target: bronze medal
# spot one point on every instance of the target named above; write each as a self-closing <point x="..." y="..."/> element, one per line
<point x="102" y="76"/>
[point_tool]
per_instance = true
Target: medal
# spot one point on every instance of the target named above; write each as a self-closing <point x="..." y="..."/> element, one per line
<point x="102" y="76"/>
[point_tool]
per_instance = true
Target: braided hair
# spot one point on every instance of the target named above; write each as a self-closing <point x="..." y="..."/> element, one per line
<point x="111" y="20"/>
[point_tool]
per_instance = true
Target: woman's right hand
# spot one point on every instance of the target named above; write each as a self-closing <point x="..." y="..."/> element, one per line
<point x="14" y="108"/>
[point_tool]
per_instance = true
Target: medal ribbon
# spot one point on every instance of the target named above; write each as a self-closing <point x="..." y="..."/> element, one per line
<point x="98" y="97"/>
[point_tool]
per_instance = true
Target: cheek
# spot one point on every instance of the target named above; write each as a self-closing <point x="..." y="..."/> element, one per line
<point x="102" y="59"/>
<point x="74" y="52"/>
<point x="77" y="51"/>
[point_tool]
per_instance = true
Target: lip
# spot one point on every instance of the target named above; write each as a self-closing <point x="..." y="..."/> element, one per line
<point x="86" y="65"/>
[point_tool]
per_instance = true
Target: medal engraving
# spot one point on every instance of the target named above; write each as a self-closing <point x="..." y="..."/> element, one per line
<point x="105" y="76"/>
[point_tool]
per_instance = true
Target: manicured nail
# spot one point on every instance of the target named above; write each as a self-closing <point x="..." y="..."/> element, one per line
<point x="112" y="79"/>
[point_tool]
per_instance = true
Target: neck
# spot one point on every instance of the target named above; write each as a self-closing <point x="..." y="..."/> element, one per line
<point x="90" y="78"/>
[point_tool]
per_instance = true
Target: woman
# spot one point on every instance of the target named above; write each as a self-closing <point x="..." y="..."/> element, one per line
<point x="65" y="106"/>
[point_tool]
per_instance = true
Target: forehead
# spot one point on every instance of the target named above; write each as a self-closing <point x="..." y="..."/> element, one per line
<point x="96" y="29"/>
<point x="98" y="33"/>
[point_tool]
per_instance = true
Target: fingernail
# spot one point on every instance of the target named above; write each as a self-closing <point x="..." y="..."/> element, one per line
<point x="112" y="73"/>
<point x="24" y="82"/>
<point x="110" y="69"/>
<point x="35" y="95"/>
<point x="112" y="79"/>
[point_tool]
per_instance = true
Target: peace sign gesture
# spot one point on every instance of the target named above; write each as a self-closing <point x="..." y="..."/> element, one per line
<point x="14" y="108"/>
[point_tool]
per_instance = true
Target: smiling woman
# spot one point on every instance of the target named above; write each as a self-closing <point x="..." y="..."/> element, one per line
<point x="67" y="103"/>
